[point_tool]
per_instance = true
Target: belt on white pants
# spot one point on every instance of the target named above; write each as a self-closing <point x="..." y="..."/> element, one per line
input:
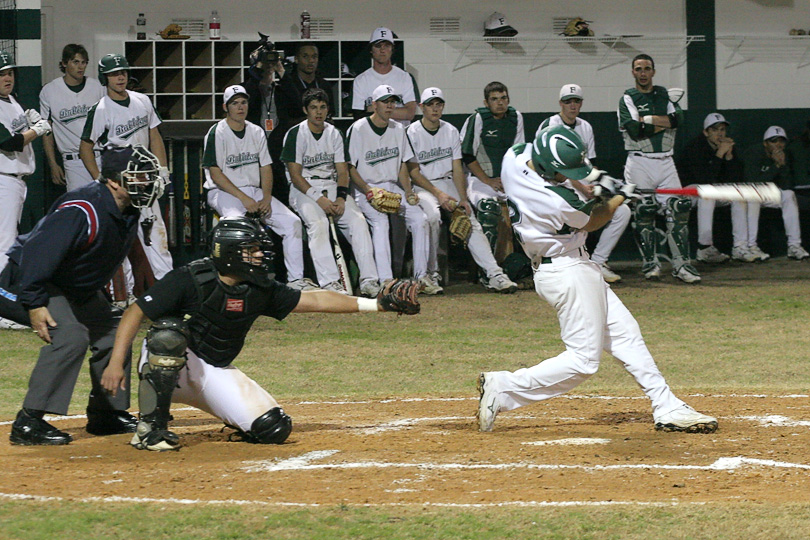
<point x="568" y="256"/>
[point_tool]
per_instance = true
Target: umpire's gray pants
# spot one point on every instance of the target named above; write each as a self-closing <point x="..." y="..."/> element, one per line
<point x="79" y="326"/>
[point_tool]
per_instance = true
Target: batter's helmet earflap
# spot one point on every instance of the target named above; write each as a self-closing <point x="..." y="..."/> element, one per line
<point x="557" y="149"/>
<point x="6" y="60"/>
<point x="233" y="242"/>
<point x="110" y="63"/>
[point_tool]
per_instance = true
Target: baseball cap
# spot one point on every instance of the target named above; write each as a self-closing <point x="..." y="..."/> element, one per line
<point x="774" y="131"/>
<point x="430" y="94"/>
<point x="714" y="118"/>
<point x="233" y="91"/>
<point x="382" y="34"/>
<point x="383" y="92"/>
<point x="569" y="91"/>
<point x="496" y="26"/>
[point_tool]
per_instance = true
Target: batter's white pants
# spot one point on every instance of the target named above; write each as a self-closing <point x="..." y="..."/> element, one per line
<point x="592" y="319"/>
<point x="477" y="190"/>
<point x="611" y="234"/>
<point x="76" y="174"/>
<point x="790" y="217"/>
<point x="415" y="221"/>
<point x="352" y="224"/>
<point x="478" y="243"/>
<point x="12" y="198"/>
<point x="282" y="221"/>
<point x="160" y="259"/>
<point x="224" y="392"/>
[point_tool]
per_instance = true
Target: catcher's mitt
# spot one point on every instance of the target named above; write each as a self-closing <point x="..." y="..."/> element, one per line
<point x="384" y="201"/>
<point x="400" y="295"/>
<point x="460" y="225"/>
<point x="577" y="27"/>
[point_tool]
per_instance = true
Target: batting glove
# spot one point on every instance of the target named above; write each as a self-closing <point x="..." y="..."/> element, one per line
<point x="163" y="176"/>
<point x="629" y="192"/>
<point x="606" y="186"/>
<point x="32" y="116"/>
<point x="41" y="128"/>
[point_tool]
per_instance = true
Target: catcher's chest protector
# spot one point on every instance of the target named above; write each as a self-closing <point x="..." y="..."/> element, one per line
<point x="219" y="327"/>
<point x="497" y="135"/>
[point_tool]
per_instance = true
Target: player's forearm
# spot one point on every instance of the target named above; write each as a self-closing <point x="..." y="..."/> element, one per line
<point x="405" y="113"/>
<point x="602" y="213"/>
<point x="224" y="183"/>
<point x="326" y="302"/>
<point x="50" y="148"/>
<point x="125" y="335"/>
<point x="419" y="179"/>
<point x="266" y="181"/>
<point x="478" y="171"/>
<point x="358" y="180"/>
<point x="88" y="158"/>
<point x="157" y="147"/>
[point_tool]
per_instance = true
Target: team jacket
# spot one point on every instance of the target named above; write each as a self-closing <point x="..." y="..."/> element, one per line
<point x="486" y="139"/>
<point x="77" y="246"/>
<point x="641" y="137"/>
<point x="759" y="168"/>
<point x="699" y="164"/>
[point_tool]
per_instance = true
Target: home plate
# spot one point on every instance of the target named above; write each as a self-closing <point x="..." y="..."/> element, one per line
<point x="569" y="442"/>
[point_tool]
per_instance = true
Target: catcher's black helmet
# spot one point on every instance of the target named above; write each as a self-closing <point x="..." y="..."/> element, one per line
<point x="233" y="242"/>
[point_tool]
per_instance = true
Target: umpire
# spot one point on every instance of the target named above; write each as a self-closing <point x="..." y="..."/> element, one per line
<point x="54" y="282"/>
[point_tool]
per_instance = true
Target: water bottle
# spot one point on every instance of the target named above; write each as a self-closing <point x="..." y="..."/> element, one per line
<point x="141" y="25"/>
<point x="213" y="26"/>
<point x="305" y="24"/>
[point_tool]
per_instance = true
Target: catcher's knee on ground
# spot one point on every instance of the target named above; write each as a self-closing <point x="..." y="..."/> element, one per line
<point x="273" y="427"/>
<point x="644" y="213"/>
<point x="488" y="212"/>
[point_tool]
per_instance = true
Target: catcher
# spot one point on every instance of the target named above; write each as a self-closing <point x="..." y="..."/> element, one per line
<point x="201" y="314"/>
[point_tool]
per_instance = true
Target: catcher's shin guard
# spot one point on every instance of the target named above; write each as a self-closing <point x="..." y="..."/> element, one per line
<point x="677" y="215"/>
<point x="488" y="212"/>
<point x="644" y="213"/>
<point x="166" y="344"/>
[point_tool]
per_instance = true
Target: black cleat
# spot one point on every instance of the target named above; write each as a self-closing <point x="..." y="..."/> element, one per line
<point x="29" y="430"/>
<point x="110" y="422"/>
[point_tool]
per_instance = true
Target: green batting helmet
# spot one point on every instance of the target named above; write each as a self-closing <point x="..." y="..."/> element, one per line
<point x="558" y="149"/>
<point x="110" y="63"/>
<point x="6" y="60"/>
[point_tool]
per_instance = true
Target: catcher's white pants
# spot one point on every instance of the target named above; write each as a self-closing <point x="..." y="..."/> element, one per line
<point x="611" y="234"/>
<point x="416" y="222"/>
<point x="790" y="217"/>
<point x="282" y="221"/>
<point x="477" y="190"/>
<point x="592" y="319"/>
<point x="224" y="392"/>
<point x="76" y="174"/>
<point x="352" y="224"/>
<point x="477" y="244"/>
<point x="652" y="173"/>
<point x="12" y="198"/>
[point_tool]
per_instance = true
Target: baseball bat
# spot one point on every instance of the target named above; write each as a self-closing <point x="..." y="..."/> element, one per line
<point x="186" y="199"/>
<point x="340" y="260"/>
<point x="761" y="193"/>
<point x="172" y="221"/>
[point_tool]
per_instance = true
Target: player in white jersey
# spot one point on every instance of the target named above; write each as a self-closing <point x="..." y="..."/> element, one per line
<point x="64" y="102"/>
<point x="316" y="156"/>
<point x="239" y="179"/>
<point x="552" y="221"/>
<point x="378" y="149"/>
<point x="440" y="183"/>
<point x="18" y="129"/>
<point x="126" y="118"/>
<point x="571" y="98"/>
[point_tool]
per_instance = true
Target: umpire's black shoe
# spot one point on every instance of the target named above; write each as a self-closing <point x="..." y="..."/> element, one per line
<point x="110" y="422"/>
<point x="29" y="430"/>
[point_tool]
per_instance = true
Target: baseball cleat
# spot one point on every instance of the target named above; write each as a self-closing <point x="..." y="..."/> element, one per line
<point x="335" y="286"/>
<point x="110" y="422"/>
<point x="686" y="419"/>
<point x="711" y="255"/>
<point x="797" y="252"/>
<point x="499" y="283"/>
<point x="687" y="273"/>
<point x="8" y="324"/>
<point x="758" y="254"/>
<point x="157" y="440"/>
<point x="303" y="284"/>
<point x="608" y="274"/>
<point x="430" y="286"/>
<point x="28" y="430"/>
<point x="742" y="253"/>
<point x="488" y="405"/>
<point x="370" y="289"/>
<point x="651" y="272"/>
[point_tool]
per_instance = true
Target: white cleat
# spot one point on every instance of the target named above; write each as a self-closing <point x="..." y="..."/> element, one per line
<point x="608" y="274"/>
<point x="8" y="324"/>
<point x="687" y="419"/>
<point x="758" y="253"/>
<point x="711" y="255"/>
<point x="335" y="286"/>
<point x="652" y="273"/>
<point x="797" y="252"/>
<point x="303" y="284"/>
<point x="370" y="289"/>
<point x="499" y="283"/>
<point x="488" y="404"/>
<point x="742" y="253"/>
<point x="430" y="286"/>
<point x="158" y="440"/>
<point x="687" y="274"/>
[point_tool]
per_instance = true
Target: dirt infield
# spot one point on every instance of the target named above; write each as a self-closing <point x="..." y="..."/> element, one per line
<point x="426" y="451"/>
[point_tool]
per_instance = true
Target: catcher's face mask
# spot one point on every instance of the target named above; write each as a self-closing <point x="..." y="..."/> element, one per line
<point x="140" y="178"/>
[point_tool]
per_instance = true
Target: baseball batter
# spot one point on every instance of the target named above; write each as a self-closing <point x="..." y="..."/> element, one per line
<point x="648" y="121"/>
<point x="64" y="102"/>
<point x="202" y="313"/>
<point x="127" y="118"/>
<point x="316" y="157"/>
<point x="18" y="129"/>
<point x="239" y="179"/>
<point x="440" y="184"/>
<point x="552" y="221"/>
<point x="571" y="98"/>
<point x="378" y="149"/>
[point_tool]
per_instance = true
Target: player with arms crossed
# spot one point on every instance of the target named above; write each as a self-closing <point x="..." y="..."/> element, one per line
<point x="239" y="176"/>
<point x="201" y="314"/>
<point x="64" y="102"/>
<point x="316" y="157"/>
<point x="440" y="184"/>
<point x="571" y="98"/>
<point x="648" y="121"/>
<point x="552" y="222"/>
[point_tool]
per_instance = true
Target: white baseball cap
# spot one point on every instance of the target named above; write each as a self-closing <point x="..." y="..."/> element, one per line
<point x="233" y="91"/>
<point x="774" y="131"/>
<point x="382" y="34"/>
<point x="714" y="118"/>
<point x="570" y="90"/>
<point x="430" y="94"/>
<point x="383" y="92"/>
<point x="496" y="26"/>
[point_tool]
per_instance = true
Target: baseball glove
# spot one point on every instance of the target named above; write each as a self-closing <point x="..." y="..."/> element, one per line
<point x="577" y="27"/>
<point x="460" y="225"/>
<point x="400" y="295"/>
<point x="173" y="32"/>
<point x="384" y="201"/>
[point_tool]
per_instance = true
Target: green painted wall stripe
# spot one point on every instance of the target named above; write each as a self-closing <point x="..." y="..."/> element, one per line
<point x="701" y="67"/>
<point x="29" y="24"/>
